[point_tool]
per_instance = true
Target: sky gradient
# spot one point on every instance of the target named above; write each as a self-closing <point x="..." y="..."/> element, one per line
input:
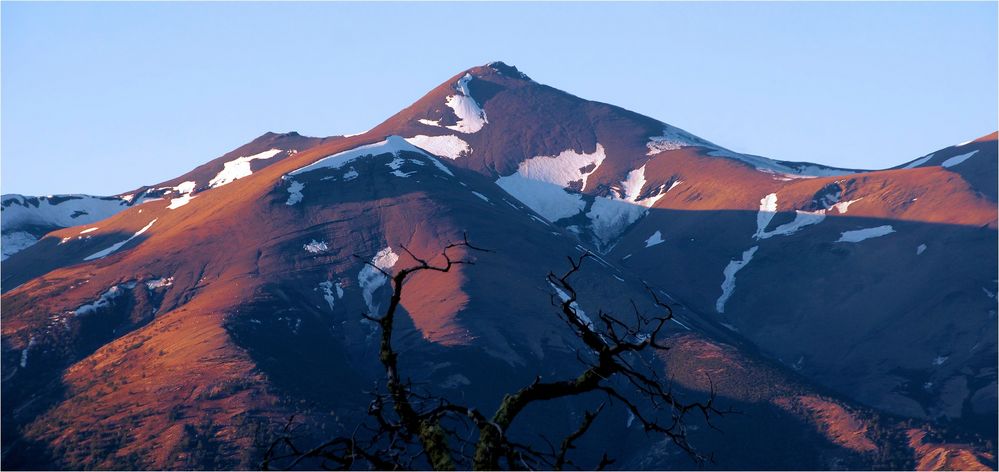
<point x="103" y="98"/>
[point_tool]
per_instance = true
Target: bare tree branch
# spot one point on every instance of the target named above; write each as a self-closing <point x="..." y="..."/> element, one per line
<point x="413" y="428"/>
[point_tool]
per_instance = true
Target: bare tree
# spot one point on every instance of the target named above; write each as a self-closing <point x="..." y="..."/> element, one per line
<point x="411" y="429"/>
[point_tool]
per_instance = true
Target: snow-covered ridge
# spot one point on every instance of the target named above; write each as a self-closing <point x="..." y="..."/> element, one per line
<point x="449" y="146"/>
<point x="674" y="138"/>
<point x="391" y="145"/>
<point x="13" y="242"/>
<point x="25" y="219"/>
<point x="57" y="210"/>
<point x="239" y="168"/>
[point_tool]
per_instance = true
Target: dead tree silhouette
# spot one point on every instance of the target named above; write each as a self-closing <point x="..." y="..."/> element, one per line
<point x="415" y="430"/>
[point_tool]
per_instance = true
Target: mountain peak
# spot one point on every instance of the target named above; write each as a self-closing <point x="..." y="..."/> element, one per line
<point x="508" y="70"/>
<point x="495" y="68"/>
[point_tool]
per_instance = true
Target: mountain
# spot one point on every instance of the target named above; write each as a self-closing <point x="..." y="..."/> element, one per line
<point x="849" y="315"/>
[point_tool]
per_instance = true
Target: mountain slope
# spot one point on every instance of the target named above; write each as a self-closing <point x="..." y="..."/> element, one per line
<point x="184" y="329"/>
<point x="26" y="219"/>
<point x="623" y="182"/>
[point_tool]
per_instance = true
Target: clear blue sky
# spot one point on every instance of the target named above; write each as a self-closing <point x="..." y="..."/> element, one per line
<point x="101" y="98"/>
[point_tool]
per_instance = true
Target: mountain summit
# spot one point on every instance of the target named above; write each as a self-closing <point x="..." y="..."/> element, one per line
<point x="849" y="314"/>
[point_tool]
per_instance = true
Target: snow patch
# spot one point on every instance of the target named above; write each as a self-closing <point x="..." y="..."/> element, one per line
<point x="768" y="208"/>
<point x="610" y="216"/>
<point x="239" y="168"/>
<point x="563" y="169"/>
<point x="728" y="285"/>
<point x="104" y="300"/>
<point x="429" y="122"/>
<point x="16" y="241"/>
<point x="24" y="212"/>
<point x="371" y="278"/>
<point x="550" y="201"/>
<point x="89" y="230"/>
<point x="117" y="246"/>
<point x="920" y="249"/>
<point x="331" y="291"/>
<point x="656" y="238"/>
<point x="477" y="194"/>
<point x="24" y="352"/>
<point x="856" y="236"/>
<point x="57" y="210"/>
<point x="918" y="162"/>
<point x="632" y="184"/>
<point x="801" y="220"/>
<point x="350" y="175"/>
<point x="159" y="283"/>
<point x="574" y="306"/>
<point x="842" y="207"/>
<point x="396" y="166"/>
<point x="674" y="138"/>
<point x="958" y="159"/>
<point x="677" y="321"/>
<point x="449" y="146"/>
<point x="541" y="183"/>
<point x="316" y="247"/>
<point x="295" y="192"/>
<point x="471" y="117"/>
<point x="184" y="189"/>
